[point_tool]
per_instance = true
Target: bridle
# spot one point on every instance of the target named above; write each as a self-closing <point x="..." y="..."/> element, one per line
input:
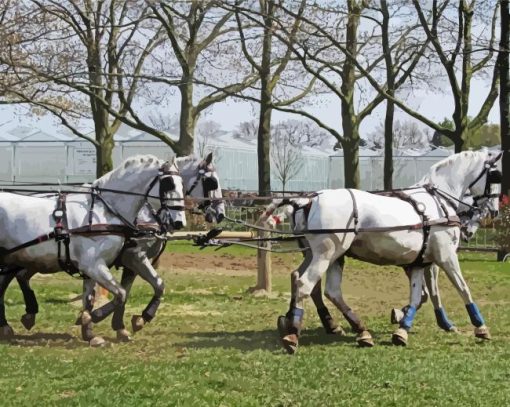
<point x="166" y="184"/>
<point x="492" y="181"/>
<point x="208" y="180"/>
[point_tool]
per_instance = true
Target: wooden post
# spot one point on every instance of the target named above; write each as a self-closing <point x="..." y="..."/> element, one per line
<point x="264" y="265"/>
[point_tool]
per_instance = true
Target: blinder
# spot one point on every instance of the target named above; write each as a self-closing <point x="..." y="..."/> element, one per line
<point x="492" y="181"/>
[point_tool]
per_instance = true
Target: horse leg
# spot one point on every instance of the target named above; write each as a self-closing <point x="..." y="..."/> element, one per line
<point x="85" y="319"/>
<point x="334" y="294"/>
<point x="285" y="321"/>
<point x="452" y="268"/>
<point x="146" y="271"/>
<point x="329" y="324"/>
<point x="398" y="313"/>
<point x="5" y="329"/>
<point x="431" y="279"/>
<point x="128" y="277"/>
<point x="321" y="258"/>
<point x="31" y="306"/>
<point x="400" y="336"/>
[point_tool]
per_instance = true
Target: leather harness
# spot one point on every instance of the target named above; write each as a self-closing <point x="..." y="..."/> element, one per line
<point x="62" y="234"/>
<point x="425" y="224"/>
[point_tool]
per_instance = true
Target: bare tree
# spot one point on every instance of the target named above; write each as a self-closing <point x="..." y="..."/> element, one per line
<point x="331" y="49"/>
<point x="504" y="100"/>
<point x="286" y="153"/>
<point x="82" y="61"/>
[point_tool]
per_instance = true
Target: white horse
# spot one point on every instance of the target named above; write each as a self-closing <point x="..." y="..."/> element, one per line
<point x="95" y="224"/>
<point x="416" y="232"/>
<point x="201" y="181"/>
<point x="470" y="217"/>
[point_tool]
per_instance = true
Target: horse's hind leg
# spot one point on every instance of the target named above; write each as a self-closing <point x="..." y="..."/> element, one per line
<point x="324" y="250"/>
<point x="31" y="306"/>
<point x="452" y="268"/>
<point x="416" y="283"/>
<point x="330" y="326"/>
<point x="5" y="329"/>
<point x="334" y="294"/>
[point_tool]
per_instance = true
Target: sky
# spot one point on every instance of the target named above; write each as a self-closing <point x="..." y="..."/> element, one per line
<point x="230" y="114"/>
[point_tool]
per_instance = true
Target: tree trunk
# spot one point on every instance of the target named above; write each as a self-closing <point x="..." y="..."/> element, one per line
<point x="104" y="155"/>
<point x="388" y="145"/>
<point x="458" y="143"/>
<point x="187" y="119"/>
<point x="351" y="162"/>
<point x="504" y="96"/>
<point x="104" y="152"/>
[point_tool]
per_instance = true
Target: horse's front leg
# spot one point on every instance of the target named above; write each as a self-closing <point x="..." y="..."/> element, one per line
<point x="145" y="270"/>
<point x="128" y="277"/>
<point x="5" y="329"/>
<point x="452" y="268"/>
<point x="334" y="294"/>
<point x="400" y="336"/>
<point x="31" y="306"/>
<point x="432" y="279"/>
<point x="100" y="274"/>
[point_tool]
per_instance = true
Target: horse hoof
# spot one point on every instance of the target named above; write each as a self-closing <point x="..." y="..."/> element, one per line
<point x="454" y="329"/>
<point x="123" y="335"/>
<point x="137" y="323"/>
<point x="396" y="315"/>
<point x="365" y="340"/>
<point x="28" y="321"/>
<point x="6" y="332"/>
<point x="336" y="330"/>
<point x="84" y="318"/>
<point x="399" y="338"/>
<point x="96" y="341"/>
<point x="482" y="332"/>
<point x="290" y="343"/>
<point x="281" y="324"/>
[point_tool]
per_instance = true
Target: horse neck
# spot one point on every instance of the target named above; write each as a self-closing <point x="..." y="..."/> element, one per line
<point x="456" y="177"/>
<point x="136" y="180"/>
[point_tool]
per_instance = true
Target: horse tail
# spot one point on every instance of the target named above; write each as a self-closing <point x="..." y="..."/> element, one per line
<point x="268" y="218"/>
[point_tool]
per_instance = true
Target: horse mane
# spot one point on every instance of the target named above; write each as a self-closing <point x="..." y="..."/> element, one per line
<point x="450" y="161"/>
<point x="128" y="165"/>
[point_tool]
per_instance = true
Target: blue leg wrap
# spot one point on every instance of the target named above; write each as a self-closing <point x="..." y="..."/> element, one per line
<point x="407" y="321"/>
<point x="475" y="315"/>
<point x="297" y="315"/>
<point x="442" y="320"/>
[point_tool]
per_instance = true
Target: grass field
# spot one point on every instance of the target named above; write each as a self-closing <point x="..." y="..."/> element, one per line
<point x="213" y="344"/>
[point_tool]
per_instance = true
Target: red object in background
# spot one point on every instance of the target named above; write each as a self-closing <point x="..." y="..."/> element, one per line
<point x="504" y="201"/>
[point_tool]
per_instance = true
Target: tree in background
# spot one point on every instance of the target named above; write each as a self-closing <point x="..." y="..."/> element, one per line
<point x="286" y="152"/>
<point x="81" y="61"/>
<point x="504" y="101"/>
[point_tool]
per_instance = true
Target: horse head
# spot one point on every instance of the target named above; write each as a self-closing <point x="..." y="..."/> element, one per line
<point x="143" y="180"/>
<point x="202" y="181"/>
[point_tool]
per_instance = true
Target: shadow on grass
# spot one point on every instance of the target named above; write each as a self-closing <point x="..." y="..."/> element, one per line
<point x="258" y="340"/>
<point x="57" y="340"/>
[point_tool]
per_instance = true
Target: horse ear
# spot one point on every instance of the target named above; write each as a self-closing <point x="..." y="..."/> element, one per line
<point x="208" y="159"/>
<point x="172" y="160"/>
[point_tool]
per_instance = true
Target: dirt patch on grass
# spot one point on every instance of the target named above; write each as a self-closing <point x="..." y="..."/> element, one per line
<point x="223" y="263"/>
<point x="369" y="288"/>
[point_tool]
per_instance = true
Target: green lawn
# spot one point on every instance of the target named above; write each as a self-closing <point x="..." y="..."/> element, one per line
<point x="213" y="344"/>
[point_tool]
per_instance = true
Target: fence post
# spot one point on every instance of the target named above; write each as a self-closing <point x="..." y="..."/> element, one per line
<point x="264" y="265"/>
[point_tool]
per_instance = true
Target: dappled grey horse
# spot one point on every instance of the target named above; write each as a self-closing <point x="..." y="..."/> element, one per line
<point x="85" y="231"/>
<point x="414" y="232"/>
<point x="201" y="181"/>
